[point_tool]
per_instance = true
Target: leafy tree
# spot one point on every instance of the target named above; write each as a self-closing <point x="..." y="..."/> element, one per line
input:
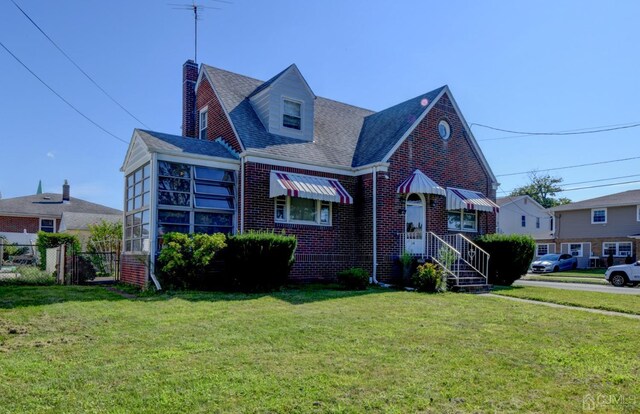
<point x="104" y="237"/>
<point x="543" y="189"/>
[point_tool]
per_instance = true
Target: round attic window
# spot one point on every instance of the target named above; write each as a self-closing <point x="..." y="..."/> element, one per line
<point x="444" y="129"/>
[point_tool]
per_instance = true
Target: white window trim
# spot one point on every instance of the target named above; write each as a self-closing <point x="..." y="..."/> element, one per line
<point x="538" y="246"/>
<point x="581" y="249"/>
<point x="617" y="254"/>
<point x="606" y="216"/>
<point x="45" y="218"/>
<point x="282" y="125"/>
<point x="287" y="214"/>
<point x="537" y="222"/>
<point x="202" y="111"/>
<point x="523" y="221"/>
<point x="638" y="213"/>
<point x="462" y="229"/>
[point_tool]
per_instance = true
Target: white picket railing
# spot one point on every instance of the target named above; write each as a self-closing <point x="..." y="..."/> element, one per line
<point x="470" y="253"/>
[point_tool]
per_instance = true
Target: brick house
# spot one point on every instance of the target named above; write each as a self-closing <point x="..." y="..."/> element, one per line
<point x="356" y="187"/>
<point x="22" y="217"/>
<point x="592" y="229"/>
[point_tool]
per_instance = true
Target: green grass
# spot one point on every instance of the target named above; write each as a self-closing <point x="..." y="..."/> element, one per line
<point x="593" y="300"/>
<point x="85" y="349"/>
<point x="582" y="273"/>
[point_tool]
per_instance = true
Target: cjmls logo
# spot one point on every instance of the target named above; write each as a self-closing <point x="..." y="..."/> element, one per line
<point x="589" y="403"/>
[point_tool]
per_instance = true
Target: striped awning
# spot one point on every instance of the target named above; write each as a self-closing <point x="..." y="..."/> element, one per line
<point x="308" y="186"/>
<point x="458" y="199"/>
<point x="418" y="182"/>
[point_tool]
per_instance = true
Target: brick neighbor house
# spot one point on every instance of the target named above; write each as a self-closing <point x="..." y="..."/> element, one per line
<point x="356" y="187"/>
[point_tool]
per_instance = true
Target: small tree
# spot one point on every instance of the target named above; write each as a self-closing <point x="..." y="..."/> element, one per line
<point x="543" y="189"/>
<point x="105" y="237"/>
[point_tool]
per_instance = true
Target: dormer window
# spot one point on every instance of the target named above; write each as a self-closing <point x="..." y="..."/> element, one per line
<point x="292" y="114"/>
<point x="204" y="117"/>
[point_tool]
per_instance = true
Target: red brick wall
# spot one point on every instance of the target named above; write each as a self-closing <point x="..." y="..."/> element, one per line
<point x="218" y="124"/>
<point x="322" y="250"/>
<point x="133" y="269"/>
<point x="189" y="78"/>
<point x="18" y="224"/>
<point x="451" y="163"/>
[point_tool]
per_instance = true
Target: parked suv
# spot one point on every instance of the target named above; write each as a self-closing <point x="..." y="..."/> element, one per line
<point x="621" y="275"/>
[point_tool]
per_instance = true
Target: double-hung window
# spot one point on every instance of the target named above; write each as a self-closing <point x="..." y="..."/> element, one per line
<point x="202" y="124"/>
<point x="523" y="221"/>
<point x="599" y="216"/>
<point x="462" y="220"/>
<point x="542" y="249"/>
<point x="48" y="225"/>
<point x="292" y="114"/>
<point x="537" y="222"/>
<point x="302" y="211"/>
<point x="617" y="249"/>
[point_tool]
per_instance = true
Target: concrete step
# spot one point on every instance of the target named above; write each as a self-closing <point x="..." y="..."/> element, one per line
<point x="475" y="289"/>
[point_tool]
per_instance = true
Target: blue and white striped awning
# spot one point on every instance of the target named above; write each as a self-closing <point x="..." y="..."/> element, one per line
<point x="308" y="186"/>
<point x="458" y="198"/>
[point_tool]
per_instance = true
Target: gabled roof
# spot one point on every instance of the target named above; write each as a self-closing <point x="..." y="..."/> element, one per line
<point x="503" y="201"/>
<point x="274" y="80"/>
<point x="50" y="205"/>
<point x="80" y="221"/>
<point x="626" y="198"/>
<point x="175" y="144"/>
<point x="382" y="130"/>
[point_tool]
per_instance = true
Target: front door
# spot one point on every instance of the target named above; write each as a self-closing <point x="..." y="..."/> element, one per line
<point x="414" y="225"/>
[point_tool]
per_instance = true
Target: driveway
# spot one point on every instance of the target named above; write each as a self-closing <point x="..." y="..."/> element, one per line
<point x="580" y="286"/>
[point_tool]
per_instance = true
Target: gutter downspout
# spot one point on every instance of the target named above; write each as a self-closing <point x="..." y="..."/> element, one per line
<point x="375" y="226"/>
<point x="242" y="161"/>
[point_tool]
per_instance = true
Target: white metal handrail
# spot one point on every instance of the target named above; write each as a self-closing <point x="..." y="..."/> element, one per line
<point x="470" y="253"/>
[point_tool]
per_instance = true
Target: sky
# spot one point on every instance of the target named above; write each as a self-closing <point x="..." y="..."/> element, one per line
<point x="543" y="66"/>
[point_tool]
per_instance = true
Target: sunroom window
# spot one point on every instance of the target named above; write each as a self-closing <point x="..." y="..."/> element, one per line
<point x="302" y="210"/>
<point x="138" y="192"/>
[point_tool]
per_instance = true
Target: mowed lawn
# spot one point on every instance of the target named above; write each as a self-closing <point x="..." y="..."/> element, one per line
<point x="83" y="350"/>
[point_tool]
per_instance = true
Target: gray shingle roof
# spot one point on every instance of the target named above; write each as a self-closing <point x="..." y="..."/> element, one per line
<point x="160" y="142"/>
<point x="339" y="136"/>
<point x="81" y="221"/>
<point x="626" y="198"/>
<point x="50" y="205"/>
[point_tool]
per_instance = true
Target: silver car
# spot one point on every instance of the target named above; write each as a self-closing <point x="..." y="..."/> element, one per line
<point x="554" y="263"/>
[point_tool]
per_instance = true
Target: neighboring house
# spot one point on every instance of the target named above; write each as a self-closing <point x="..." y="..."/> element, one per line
<point x="356" y="187"/>
<point x="592" y="229"/>
<point x="78" y="223"/>
<point x="524" y="215"/>
<point x="22" y="217"/>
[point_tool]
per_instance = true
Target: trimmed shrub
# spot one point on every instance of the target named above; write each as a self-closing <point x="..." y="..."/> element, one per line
<point x="185" y="259"/>
<point x="258" y="261"/>
<point x="428" y="278"/>
<point x="408" y="266"/>
<point x="49" y="240"/>
<point x="511" y="255"/>
<point x="355" y="278"/>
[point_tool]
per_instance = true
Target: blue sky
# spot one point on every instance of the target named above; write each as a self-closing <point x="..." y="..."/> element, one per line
<point x="526" y="66"/>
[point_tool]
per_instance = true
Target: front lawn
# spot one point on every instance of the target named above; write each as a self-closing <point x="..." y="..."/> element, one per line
<point x="581" y="273"/>
<point x="585" y="299"/>
<point x="85" y="349"/>
<point x="557" y="277"/>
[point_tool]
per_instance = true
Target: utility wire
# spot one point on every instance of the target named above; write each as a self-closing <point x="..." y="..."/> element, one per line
<point x="570" y="132"/>
<point x="598" y="186"/>
<point x="78" y="66"/>
<point x="588" y="182"/>
<point x="60" y="96"/>
<point x="571" y="166"/>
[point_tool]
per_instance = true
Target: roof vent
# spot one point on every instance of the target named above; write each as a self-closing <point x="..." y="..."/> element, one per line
<point x="46" y="198"/>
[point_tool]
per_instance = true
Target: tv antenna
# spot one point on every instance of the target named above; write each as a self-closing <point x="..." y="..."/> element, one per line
<point x="196" y="8"/>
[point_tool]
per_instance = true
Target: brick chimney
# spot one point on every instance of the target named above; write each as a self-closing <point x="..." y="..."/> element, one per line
<point x="65" y="192"/>
<point x="189" y="78"/>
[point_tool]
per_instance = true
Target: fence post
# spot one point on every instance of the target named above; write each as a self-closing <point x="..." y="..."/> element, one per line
<point x="1" y="252"/>
<point x="61" y="263"/>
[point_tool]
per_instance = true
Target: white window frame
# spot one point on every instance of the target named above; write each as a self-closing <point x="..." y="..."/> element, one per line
<point x="537" y="222"/>
<point x="523" y="221"/>
<point x="44" y="218"/>
<point x="617" y="253"/>
<point x="571" y="250"/>
<point x="462" y="213"/>
<point x="285" y="99"/>
<point x="538" y="249"/>
<point x="638" y="213"/>
<point x="203" y="113"/>
<point x="593" y="210"/>
<point x="287" y="212"/>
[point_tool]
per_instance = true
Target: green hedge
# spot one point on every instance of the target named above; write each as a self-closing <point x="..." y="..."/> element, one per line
<point x="355" y="278"/>
<point x="50" y="240"/>
<point x="511" y="255"/>
<point x="258" y="260"/>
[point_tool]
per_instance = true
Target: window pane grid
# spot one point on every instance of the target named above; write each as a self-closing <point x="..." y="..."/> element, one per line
<point x="138" y="194"/>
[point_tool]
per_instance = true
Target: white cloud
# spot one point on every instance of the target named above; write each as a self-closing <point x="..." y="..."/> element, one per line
<point x="51" y="154"/>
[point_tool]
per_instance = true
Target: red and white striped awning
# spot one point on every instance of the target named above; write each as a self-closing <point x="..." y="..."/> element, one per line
<point x="418" y="182"/>
<point x="308" y="186"/>
<point x="458" y="199"/>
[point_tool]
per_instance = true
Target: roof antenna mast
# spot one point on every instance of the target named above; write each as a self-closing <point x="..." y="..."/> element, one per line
<point x="195" y="7"/>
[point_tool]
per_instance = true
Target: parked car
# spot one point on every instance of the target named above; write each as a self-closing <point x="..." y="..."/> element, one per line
<point x="554" y="263"/>
<point x="621" y="275"/>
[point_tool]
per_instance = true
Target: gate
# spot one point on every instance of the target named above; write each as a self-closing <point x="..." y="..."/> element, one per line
<point x="93" y="268"/>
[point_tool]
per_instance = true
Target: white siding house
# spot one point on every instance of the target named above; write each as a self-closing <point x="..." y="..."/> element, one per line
<point x="523" y="215"/>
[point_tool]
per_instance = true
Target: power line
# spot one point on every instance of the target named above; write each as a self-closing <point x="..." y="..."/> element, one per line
<point x="78" y="66"/>
<point x="60" y="96"/>
<point x="587" y="182"/>
<point x="581" y="131"/>
<point x="598" y="186"/>
<point x="571" y="166"/>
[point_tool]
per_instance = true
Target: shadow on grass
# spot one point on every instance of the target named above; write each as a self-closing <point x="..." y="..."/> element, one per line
<point x="506" y="288"/>
<point x="23" y="296"/>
